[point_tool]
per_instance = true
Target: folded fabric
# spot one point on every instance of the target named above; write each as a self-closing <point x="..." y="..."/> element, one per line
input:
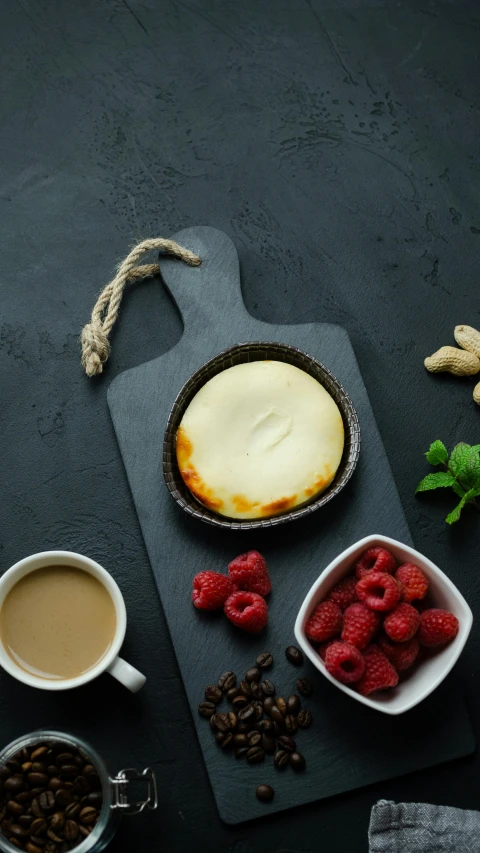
<point x="422" y="828"/>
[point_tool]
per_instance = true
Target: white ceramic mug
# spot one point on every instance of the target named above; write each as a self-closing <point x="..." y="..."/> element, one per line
<point x="111" y="662"/>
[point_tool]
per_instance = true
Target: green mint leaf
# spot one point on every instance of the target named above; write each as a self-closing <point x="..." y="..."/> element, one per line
<point x="439" y="480"/>
<point x="437" y="453"/>
<point x="469" y="474"/>
<point x="455" y="514"/>
<point x="459" y="456"/>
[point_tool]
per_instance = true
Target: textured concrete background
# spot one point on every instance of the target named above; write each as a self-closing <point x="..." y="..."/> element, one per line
<point x="338" y="146"/>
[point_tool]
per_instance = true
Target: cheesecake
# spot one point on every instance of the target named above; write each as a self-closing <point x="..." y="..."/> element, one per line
<point x="259" y="439"/>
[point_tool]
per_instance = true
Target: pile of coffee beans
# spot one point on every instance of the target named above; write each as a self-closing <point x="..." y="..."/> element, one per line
<point x="259" y="723"/>
<point x="50" y="798"/>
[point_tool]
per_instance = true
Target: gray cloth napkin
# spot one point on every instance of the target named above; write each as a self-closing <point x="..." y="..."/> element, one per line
<point x="421" y="828"/>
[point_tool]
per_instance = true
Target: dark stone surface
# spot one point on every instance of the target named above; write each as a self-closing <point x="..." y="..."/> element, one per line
<point x="337" y="147"/>
<point x="339" y="758"/>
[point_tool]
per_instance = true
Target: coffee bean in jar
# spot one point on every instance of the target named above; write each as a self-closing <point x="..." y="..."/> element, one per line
<point x="50" y="799"/>
<point x="57" y="793"/>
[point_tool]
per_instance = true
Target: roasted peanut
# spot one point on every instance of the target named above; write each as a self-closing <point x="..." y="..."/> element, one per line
<point x="468" y="338"/>
<point x="452" y="360"/>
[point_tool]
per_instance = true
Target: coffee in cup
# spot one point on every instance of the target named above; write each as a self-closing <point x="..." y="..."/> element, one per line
<point x="57" y="622"/>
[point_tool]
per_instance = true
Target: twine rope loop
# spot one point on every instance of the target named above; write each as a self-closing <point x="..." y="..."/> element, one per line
<point x="94" y="338"/>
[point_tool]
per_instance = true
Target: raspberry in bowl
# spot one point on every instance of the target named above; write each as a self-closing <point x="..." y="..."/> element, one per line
<point x="403" y="615"/>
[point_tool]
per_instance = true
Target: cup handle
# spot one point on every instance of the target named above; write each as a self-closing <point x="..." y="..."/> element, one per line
<point x="127" y="674"/>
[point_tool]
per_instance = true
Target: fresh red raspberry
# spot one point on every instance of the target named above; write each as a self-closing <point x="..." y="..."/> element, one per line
<point x="378" y="591"/>
<point x="247" y="610"/>
<point x="359" y="625"/>
<point x="413" y="583"/>
<point x="402" y="623"/>
<point x="325" y="622"/>
<point x="375" y="560"/>
<point x="344" y="662"/>
<point x="344" y="593"/>
<point x="401" y="655"/>
<point x="437" y="627"/>
<point x="211" y="590"/>
<point x="249" y="571"/>
<point x="322" y="649"/>
<point x="379" y="672"/>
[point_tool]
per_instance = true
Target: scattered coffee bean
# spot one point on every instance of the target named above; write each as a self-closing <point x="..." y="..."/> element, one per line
<point x="50" y="792"/>
<point x="227" y="681"/>
<point x="265" y="660"/>
<point x="219" y="736"/>
<point x="241" y="751"/>
<point x="243" y="728"/>
<point x="253" y="674"/>
<point x="266" y="726"/>
<point x="282" y="758"/>
<point x="213" y="694"/>
<point x="268" y="743"/>
<point x="232" y="719"/>
<point x="256" y="690"/>
<point x="276" y="715"/>
<point x="240" y="740"/>
<point x="205" y="709"/>
<point x="255" y="755"/>
<point x="240" y="702"/>
<point x="281" y="705"/>
<point x="246" y="713"/>
<point x="265" y="793"/>
<point x="304" y="686"/>
<point x="293" y="704"/>
<point x="230" y="694"/>
<point x="245" y="688"/>
<point x="258" y="711"/>
<point x="268" y="687"/>
<point x="294" y="655"/>
<point x="268" y="704"/>
<point x="219" y="722"/>
<point x="291" y="723"/>
<point x="254" y="738"/>
<point x="297" y="761"/>
<point x="288" y="743"/>
<point x="227" y="741"/>
<point x="304" y="719"/>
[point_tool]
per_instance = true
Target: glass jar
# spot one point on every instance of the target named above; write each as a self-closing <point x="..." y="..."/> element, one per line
<point x="118" y="793"/>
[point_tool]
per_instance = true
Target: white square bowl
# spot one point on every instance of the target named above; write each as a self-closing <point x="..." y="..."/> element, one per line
<point x="442" y="593"/>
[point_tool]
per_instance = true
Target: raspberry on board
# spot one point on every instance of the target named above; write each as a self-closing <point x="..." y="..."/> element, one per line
<point x="402" y="623"/>
<point x="375" y="560"/>
<point x="379" y="591"/>
<point x="344" y="662"/>
<point x="359" y="625"/>
<point x="247" y="610"/>
<point x="249" y="571"/>
<point x="211" y="590"/>
<point x="401" y="655"/>
<point x="344" y="593"/>
<point x="325" y="622"/>
<point x="379" y="672"/>
<point x="437" y="627"/>
<point x="412" y="581"/>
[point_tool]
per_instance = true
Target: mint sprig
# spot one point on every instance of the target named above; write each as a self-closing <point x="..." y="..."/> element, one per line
<point x="462" y="474"/>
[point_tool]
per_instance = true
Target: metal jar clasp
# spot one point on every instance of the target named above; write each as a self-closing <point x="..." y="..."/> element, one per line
<point x="121" y="786"/>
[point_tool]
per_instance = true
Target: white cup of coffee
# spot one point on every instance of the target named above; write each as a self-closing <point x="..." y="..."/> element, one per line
<point x="62" y="623"/>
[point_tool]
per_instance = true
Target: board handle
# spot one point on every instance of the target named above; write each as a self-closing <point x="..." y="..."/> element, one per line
<point x="211" y="292"/>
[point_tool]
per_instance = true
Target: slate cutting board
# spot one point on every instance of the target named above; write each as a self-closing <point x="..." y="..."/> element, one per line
<point x="349" y="745"/>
